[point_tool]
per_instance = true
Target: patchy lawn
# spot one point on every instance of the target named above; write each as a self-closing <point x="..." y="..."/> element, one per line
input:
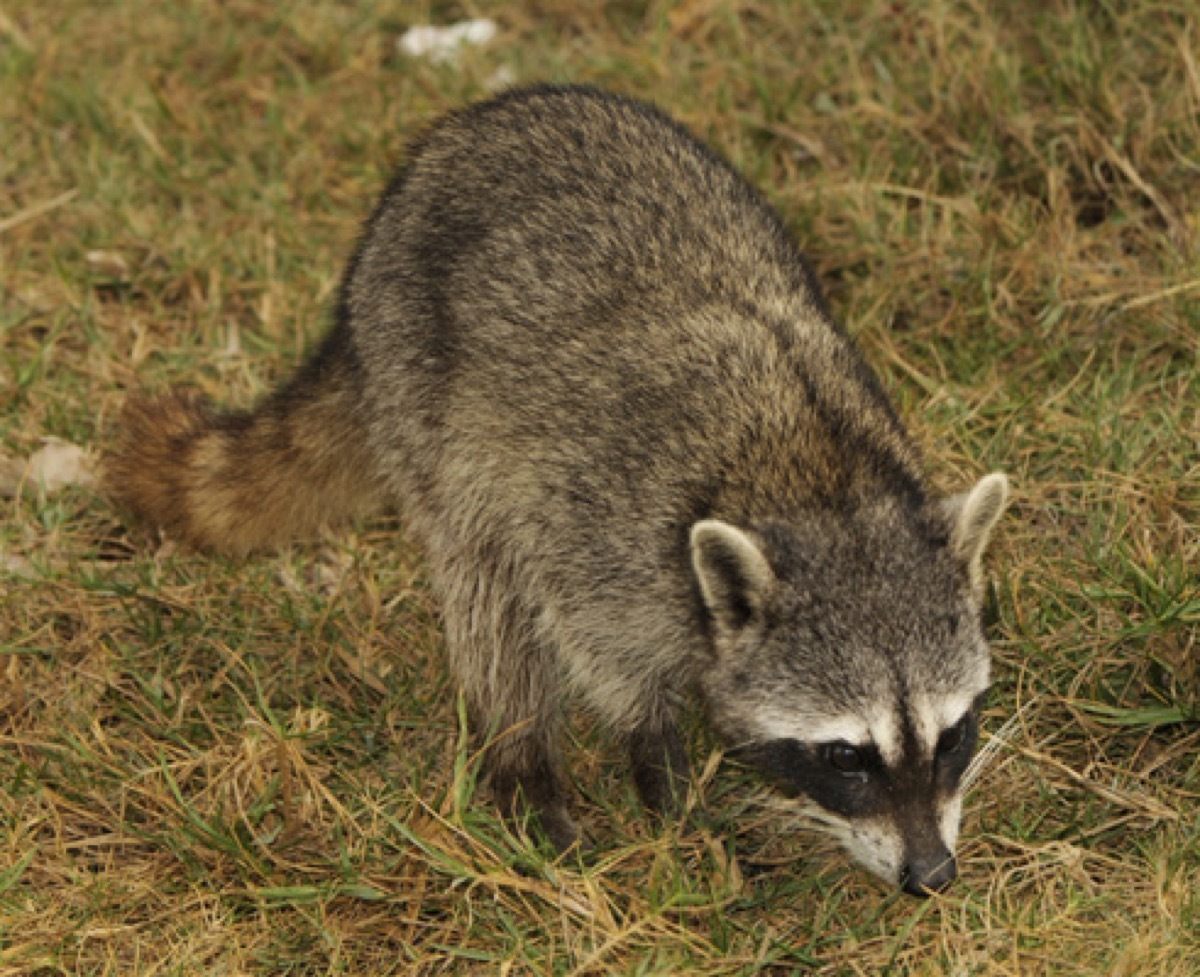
<point x="210" y="767"/>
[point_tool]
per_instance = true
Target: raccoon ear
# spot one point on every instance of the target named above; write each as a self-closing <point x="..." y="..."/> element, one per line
<point x="734" y="576"/>
<point x="973" y="515"/>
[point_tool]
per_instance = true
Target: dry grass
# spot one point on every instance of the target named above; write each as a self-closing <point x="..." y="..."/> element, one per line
<point x="208" y="768"/>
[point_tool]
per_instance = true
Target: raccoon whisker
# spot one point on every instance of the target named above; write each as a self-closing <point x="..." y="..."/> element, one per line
<point x="810" y="813"/>
<point x="813" y="813"/>
<point x="986" y="753"/>
<point x="835" y="829"/>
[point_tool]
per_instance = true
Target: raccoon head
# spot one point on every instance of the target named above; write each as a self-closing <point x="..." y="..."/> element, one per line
<point x="850" y="666"/>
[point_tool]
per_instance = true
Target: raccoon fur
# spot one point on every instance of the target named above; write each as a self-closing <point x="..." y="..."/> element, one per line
<point x="595" y="375"/>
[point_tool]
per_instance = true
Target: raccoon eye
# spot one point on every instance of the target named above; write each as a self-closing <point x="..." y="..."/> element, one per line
<point x="953" y="738"/>
<point x="844" y="758"/>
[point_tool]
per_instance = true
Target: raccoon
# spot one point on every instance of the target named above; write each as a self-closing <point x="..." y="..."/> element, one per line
<point x="590" y="367"/>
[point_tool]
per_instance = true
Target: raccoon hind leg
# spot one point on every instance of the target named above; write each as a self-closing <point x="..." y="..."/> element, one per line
<point x="509" y="677"/>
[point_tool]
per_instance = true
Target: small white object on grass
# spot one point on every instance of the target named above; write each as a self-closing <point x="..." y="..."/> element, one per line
<point x="50" y="469"/>
<point x="442" y="45"/>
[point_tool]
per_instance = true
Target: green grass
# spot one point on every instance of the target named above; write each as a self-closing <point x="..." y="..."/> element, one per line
<point x="209" y="767"/>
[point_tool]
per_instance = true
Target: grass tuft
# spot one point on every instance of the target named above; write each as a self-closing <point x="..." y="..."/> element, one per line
<point x="258" y="767"/>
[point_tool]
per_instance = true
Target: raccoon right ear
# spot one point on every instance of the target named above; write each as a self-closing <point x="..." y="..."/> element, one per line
<point x="973" y="515"/>
<point x="734" y="576"/>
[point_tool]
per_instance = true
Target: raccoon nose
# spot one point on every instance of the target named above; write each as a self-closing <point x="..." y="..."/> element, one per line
<point x="925" y="875"/>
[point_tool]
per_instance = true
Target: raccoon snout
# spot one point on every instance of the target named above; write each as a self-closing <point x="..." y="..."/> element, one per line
<point x="924" y="875"/>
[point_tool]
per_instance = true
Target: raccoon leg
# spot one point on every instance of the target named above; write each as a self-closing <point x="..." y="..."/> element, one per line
<point x="527" y="781"/>
<point x="659" y="759"/>
<point x="508" y="675"/>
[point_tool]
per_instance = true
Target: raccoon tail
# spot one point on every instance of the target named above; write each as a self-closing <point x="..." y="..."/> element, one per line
<point x="237" y="482"/>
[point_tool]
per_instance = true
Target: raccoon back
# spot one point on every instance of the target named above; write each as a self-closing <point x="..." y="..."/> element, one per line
<point x="575" y="317"/>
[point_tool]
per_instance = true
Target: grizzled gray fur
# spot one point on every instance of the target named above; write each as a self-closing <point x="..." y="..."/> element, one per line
<point x="591" y="368"/>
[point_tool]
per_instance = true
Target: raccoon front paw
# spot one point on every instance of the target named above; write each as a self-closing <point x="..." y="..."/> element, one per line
<point x="561" y="830"/>
<point x="540" y="801"/>
<point x="661" y="771"/>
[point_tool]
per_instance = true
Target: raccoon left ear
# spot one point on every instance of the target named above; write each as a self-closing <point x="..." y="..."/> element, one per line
<point x="734" y="576"/>
<point x="973" y="515"/>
